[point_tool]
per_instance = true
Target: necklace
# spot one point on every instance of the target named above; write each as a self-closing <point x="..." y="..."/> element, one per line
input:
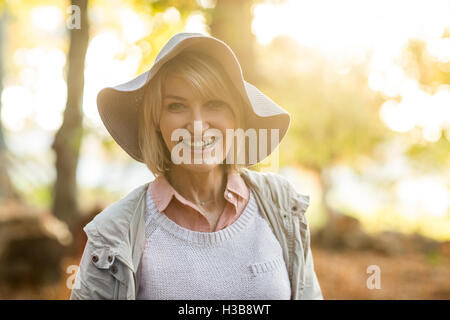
<point x="202" y="203"/>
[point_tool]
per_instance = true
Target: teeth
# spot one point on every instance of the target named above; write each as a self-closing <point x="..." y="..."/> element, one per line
<point x="199" y="144"/>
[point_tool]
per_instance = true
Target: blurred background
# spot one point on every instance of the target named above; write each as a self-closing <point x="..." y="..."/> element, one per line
<point x="367" y="84"/>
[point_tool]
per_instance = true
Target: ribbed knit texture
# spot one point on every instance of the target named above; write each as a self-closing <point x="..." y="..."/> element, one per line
<point x="243" y="261"/>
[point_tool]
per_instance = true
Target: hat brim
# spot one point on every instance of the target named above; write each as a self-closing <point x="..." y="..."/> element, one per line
<point x="118" y="106"/>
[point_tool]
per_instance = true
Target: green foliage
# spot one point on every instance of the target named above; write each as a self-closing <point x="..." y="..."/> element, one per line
<point x="184" y="6"/>
<point x="433" y="154"/>
<point x="162" y="31"/>
<point x="434" y="258"/>
<point x="428" y="71"/>
<point x="40" y="196"/>
<point x="333" y="116"/>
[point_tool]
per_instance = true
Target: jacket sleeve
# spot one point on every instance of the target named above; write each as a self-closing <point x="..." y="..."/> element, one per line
<point x="312" y="289"/>
<point x="91" y="282"/>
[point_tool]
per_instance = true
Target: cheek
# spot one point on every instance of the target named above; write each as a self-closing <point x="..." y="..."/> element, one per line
<point x="227" y="120"/>
<point x="167" y="125"/>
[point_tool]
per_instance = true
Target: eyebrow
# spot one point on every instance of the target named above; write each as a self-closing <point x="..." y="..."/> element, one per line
<point x="184" y="99"/>
<point x="175" y="97"/>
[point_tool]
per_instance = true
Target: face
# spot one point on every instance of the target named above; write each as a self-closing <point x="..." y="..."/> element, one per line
<point x="204" y="121"/>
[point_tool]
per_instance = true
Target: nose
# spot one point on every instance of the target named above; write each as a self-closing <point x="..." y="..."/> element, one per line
<point x="199" y="119"/>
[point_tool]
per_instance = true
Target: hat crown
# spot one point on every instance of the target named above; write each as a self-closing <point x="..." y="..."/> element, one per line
<point x="175" y="40"/>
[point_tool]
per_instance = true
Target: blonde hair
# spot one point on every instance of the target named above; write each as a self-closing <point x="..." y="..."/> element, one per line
<point x="207" y="76"/>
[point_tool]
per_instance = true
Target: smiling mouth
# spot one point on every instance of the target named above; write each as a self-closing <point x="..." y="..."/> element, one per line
<point x="203" y="144"/>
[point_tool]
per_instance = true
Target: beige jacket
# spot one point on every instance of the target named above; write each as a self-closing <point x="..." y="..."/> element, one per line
<point x="109" y="267"/>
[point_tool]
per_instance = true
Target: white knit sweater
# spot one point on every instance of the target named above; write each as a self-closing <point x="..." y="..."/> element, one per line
<point x="242" y="261"/>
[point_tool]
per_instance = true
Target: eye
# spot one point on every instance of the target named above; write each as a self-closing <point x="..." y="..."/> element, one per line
<point x="175" y="106"/>
<point x="216" y="104"/>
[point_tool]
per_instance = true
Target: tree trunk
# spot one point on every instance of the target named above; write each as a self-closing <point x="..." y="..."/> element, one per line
<point x="232" y="23"/>
<point x="341" y="231"/>
<point x="326" y="187"/>
<point x="68" y="138"/>
<point x="7" y="190"/>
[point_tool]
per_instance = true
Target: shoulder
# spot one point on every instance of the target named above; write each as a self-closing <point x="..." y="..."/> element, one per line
<point x="112" y="223"/>
<point x="268" y="181"/>
<point x="259" y="178"/>
<point x="277" y="188"/>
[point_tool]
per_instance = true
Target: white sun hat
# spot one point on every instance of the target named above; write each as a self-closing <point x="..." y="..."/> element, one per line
<point x="118" y="106"/>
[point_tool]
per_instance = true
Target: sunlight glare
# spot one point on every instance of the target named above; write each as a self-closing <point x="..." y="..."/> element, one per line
<point x="423" y="195"/>
<point x="108" y="62"/>
<point x="47" y="18"/>
<point x="16" y="107"/>
<point x="196" y="22"/>
<point x="171" y="15"/>
<point x="46" y="79"/>
<point x="396" y="116"/>
<point x="440" y="49"/>
<point x="134" y="27"/>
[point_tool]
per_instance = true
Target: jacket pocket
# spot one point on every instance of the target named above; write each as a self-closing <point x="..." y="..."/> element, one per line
<point x="93" y="280"/>
<point x="267" y="266"/>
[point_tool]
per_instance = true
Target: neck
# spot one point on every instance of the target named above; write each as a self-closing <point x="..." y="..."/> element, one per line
<point x="198" y="186"/>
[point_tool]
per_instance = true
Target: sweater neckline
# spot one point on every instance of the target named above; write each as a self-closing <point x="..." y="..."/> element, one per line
<point x="157" y="218"/>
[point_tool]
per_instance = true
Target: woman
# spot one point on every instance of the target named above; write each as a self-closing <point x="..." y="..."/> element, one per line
<point x="206" y="227"/>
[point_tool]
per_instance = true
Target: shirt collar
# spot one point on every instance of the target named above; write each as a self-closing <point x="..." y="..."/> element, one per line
<point x="162" y="191"/>
<point x="236" y="184"/>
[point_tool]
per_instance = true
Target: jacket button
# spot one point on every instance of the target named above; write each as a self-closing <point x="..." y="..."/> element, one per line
<point x="109" y="258"/>
<point x="294" y="208"/>
<point x="95" y="258"/>
<point x="114" y="269"/>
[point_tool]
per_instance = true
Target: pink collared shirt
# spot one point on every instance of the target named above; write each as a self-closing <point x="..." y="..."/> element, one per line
<point x="188" y="215"/>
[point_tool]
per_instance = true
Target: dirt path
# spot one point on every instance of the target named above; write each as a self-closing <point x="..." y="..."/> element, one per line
<point x="342" y="275"/>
